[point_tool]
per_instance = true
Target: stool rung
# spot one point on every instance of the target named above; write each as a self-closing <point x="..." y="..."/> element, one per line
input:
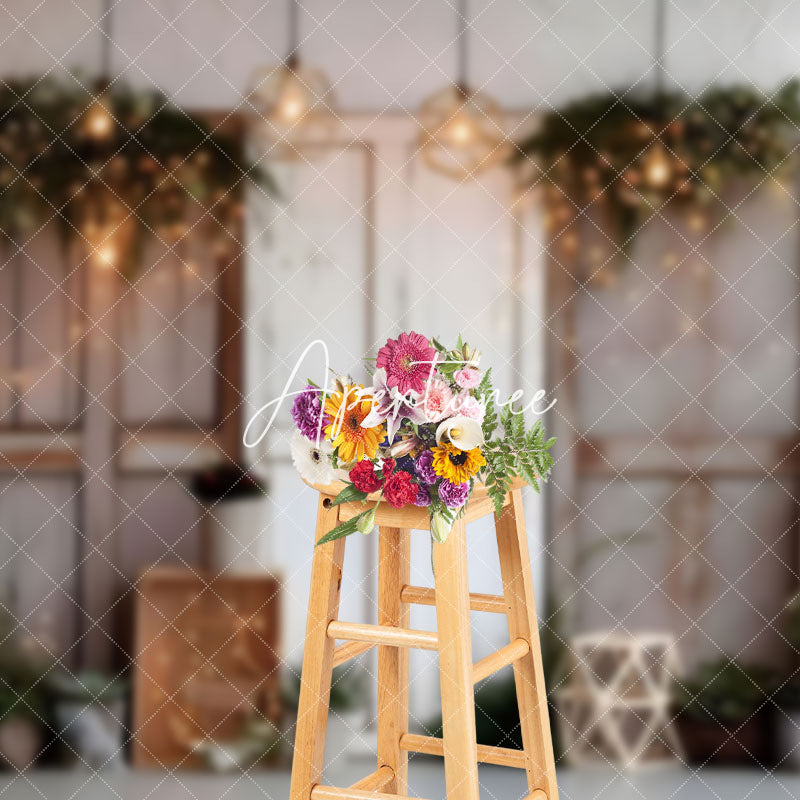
<point x="512" y="652"/>
<point x="345" y="652"/>
<point x="376" y="781"/>
<point x="332" y="793"/>
<point x="382" y="634"/>
<point x="487" y="754"/>
<point x="421" y="596"/>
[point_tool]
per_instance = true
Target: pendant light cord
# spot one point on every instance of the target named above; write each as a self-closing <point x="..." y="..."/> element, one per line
<point x="105" y="43"/>
<point x="660" y="47"/>
<point x="293" y="56"/>
<point x="461" y="45"/>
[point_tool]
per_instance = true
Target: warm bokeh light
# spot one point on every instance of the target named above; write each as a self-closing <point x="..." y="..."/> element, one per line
<point x="292" y="107"/>
<point x="105" y="255"/>
<point x="99" y="122"/>
<point x="658" y="167"/>
<point x="462" y="132"/>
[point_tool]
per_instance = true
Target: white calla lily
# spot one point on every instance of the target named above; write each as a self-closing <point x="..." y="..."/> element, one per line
<point x="440" y="528"/>
<point x="463" y="432"/>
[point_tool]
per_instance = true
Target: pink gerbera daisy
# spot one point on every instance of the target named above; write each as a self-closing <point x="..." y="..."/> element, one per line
<point x="407" y="361"/>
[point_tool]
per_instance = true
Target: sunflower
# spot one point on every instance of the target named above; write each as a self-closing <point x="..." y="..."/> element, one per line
<point x="456" y="466"/>
<point x="347" y="409"/>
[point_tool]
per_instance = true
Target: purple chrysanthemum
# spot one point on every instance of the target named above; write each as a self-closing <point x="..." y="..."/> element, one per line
<point x="423" y="466"/>
<point x="306" y="412"/>
<point x="423" y="498"/>
<point x="454" y="495"/>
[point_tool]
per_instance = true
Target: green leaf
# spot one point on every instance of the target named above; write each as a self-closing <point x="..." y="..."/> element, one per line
<point x="348" y="495"/>
<point x="484" y="392"/>
<point x="343" y="529"/>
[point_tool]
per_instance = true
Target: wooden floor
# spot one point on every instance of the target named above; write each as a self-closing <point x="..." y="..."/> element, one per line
<point x="427" y="780"/>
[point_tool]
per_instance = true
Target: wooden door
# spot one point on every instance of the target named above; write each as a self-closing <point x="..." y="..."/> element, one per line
<point x="673" y="499"/>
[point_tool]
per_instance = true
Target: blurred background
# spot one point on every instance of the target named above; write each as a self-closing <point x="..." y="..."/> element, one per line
<point x="602" y="197"/>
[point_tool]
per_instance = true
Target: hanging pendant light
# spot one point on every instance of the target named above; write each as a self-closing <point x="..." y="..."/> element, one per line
<point x="98" y="122"/>
<point x="462" y="130"/>
<point x="659" y="166"/>
<point x="293" y="102"/>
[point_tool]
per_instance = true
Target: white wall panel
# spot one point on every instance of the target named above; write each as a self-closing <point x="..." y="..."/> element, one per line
<point x="445" y="256"/>
<point x="528" y="53"/>
<point x="40" y="548"/>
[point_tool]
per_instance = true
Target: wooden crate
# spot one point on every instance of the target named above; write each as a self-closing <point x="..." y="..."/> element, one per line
<point x="207" y="660"/>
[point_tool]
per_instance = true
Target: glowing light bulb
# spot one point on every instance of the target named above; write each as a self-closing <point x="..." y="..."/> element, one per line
<point x="106" y="255"/>
<point x="462" y="131"/>
<point x="99" y="122"/>
<point x="658" y="167"/>
<point x="291" y="106"/>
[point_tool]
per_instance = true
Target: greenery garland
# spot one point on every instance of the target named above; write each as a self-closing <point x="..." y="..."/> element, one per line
<point x="634" y="155"/>
<point x="120" y="159"/>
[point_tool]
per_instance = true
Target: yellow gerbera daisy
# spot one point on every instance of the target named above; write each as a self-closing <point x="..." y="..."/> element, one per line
<point x="346" y="410"/>
<point x="457" y="466"/>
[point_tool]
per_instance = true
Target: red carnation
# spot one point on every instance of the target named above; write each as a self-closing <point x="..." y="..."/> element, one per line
<point x="387" y="467"/>
<point x="364" y="478"/>
<point x="399" y="490"/>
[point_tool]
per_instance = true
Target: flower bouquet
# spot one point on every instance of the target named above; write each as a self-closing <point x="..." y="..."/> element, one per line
<point x="427" y="429"/>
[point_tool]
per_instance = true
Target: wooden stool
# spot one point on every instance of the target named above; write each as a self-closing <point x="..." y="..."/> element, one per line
<point x="458" y="674"/>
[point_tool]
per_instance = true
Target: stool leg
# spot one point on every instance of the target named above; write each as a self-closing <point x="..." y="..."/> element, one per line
<point x="315" y="683"/>
<point x="393" y="573"/>
<point x="515" y="568"/>
<point x="455" y="665"/>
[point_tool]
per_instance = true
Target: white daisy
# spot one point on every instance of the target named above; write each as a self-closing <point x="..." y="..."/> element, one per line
<point x="312" y="462"/>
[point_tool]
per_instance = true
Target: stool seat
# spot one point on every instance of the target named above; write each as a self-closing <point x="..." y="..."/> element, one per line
<point x="452" y="640"/>
<point x="413" y="517"/>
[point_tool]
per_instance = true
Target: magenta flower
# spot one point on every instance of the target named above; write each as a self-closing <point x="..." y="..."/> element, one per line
<point x="408" y="361"/>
